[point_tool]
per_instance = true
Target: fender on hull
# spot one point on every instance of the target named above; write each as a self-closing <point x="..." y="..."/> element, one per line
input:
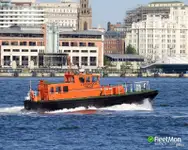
<point x="98" y="102"/>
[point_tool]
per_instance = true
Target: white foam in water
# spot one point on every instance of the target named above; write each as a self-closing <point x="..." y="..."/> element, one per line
<point x="124" y="107"/>
<point x="70" y="110"/>
<point x="146" y="106"/>
<point x="11" y="110"/>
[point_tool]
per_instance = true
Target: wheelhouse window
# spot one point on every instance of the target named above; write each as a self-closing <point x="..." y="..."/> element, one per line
<point x="52" y="90"/>
<point x="95" y="78"/>
<point x="58" y="89"/>
<point x="88" y="79"/>
<point x="82" y="79"/>
<point x="65" y="89"/>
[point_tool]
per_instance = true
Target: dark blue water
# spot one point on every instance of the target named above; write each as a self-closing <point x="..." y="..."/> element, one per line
<point x="116" y="128"/>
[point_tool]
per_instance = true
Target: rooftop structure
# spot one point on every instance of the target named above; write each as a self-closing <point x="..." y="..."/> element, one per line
<point x="140" y="13"/>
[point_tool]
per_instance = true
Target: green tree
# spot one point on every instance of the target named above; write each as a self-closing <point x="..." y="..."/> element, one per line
<point x="130" y="50"/>
<point x="126" y="65"/>
<point x="107" y="62"/>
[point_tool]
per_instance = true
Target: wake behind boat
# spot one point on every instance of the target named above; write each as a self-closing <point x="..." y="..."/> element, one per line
<point x="84" y="90"/>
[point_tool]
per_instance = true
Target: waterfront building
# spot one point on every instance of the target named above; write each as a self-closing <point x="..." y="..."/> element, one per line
<point x="21" y="13"/>
<point x="24" y="45"/>
<point x="85" y="48"/>
<point x="114" y="42"/>
<point x="161" y="36"/>
<point x="125" y="61"/>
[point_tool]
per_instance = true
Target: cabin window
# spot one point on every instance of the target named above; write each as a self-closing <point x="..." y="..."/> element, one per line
<point x="82" y="80"/>
<point x="51" y="90"/>
<point x="88" y="79"/>
<point x="58" y="89"/>
<point x="95" y="78"/>
<point x="65" y="89"/>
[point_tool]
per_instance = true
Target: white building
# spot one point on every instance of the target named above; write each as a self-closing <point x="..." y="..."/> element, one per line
<point x="64" y="14"/>
<point x="161" y="39"/>
<point x="20" y="13"/>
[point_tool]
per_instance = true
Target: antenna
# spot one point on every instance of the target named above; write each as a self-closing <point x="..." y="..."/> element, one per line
<point x="30" y="85"/>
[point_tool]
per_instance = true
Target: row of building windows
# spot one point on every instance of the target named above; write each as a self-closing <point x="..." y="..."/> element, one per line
<point x="81" y="44"/>
<point x="23" y="50"/>
<point x="78" y="51"/>
<point x="24" y="43"/>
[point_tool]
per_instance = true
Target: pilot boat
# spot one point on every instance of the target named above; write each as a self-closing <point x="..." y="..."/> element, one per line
<point x="84" y="90"/>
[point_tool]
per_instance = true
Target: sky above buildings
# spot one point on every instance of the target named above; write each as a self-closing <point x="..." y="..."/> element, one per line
<point x="111" y="10"/>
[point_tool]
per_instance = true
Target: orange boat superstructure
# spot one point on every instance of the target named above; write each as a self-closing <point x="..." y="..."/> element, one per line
<point x="75" y="86"/>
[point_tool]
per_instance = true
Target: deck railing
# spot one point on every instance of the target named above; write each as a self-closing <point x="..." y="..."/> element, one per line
<point x="137" y="86"/>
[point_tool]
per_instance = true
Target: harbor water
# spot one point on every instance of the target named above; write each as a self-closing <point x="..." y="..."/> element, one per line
<point x="114" y="128"/>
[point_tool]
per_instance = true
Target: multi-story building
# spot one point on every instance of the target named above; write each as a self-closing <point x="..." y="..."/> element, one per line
<point x="114" y="42"/>
<point x="23" y="46"/>
<point x="118" y="27"/>
<point x="21" y="13"/>
<point x="85" y="48"/>
<point x="141" y="12"/>
<point x="160" y="38"/>
<point x="67" y="14"/>
<point x="64" y="14"/>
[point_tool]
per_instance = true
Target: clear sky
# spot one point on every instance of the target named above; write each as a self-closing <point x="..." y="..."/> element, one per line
<point x="111" y="10"/>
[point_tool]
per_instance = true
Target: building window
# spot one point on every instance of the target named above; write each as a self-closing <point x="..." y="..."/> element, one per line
<point x="23" y="43"/>
<point x="74" y="44"/>
<point x="17" y="59"/>
<point x="25" y="50"/>
<point x="34" y="59"/>
<point x="24" y="60"/>
<point x="6" y="50"/>
<point x="14" y="43"/>
<point x="93" y="51"/>
<point x="75" y="60"/>
<point x="6" y="60"/>
<point x="16" y="50"/>
<point x="32" y="43"/>
<point x="82" y="44"/>
<point x="65" y="43"/>
<point x="5" y="43"/>
<point x="34" y="50"/>
<point x="84" y="51"/>
<point x="91" y="44"/>
<point x="84" y="61"/>
<point x="75" y="51"/>
<point x="93" y="61"/>
<point x="67" y="51"/>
